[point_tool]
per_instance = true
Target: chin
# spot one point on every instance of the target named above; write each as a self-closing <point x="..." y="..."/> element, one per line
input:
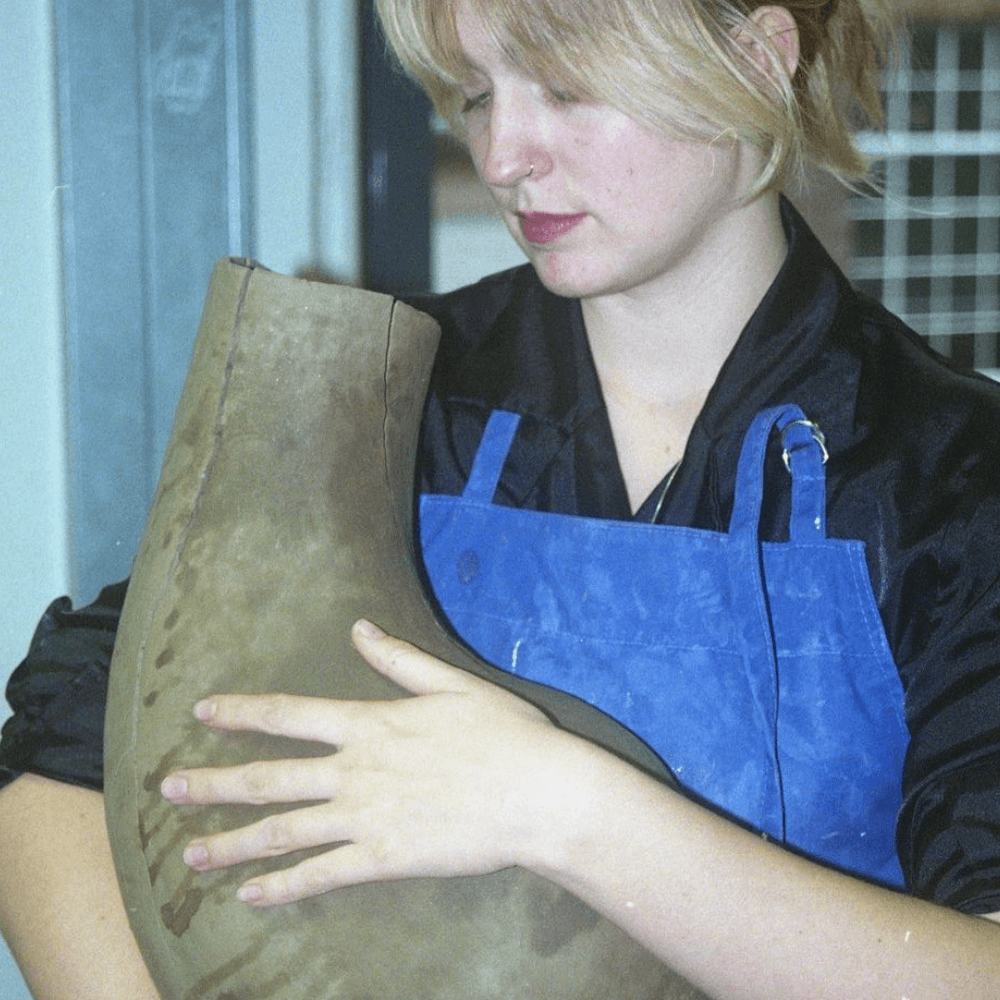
<point x="575" y="283"/>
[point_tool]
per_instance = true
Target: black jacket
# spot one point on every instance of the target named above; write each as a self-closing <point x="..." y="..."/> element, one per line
<point x="914" y="471"/>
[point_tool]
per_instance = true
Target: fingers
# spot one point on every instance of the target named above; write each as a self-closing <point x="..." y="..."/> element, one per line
<point x="421" y="673"/>
<point x="274" y="836"/>
<point x="258" y="783"/>
<point x="329" y="720"/>
<point x="411" y="668"/>
<point x="384" y="801"/>
<point x="346" y="865"/>
<point x="355" y="863"/>
<point x="320" y="720"/>
<point x="313" y="719"/>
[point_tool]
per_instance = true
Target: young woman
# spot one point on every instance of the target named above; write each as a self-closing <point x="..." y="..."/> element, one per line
<point x="636" y="151"/>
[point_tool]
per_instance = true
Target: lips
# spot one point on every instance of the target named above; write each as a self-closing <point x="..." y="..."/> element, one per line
<point x="541" y="227"/>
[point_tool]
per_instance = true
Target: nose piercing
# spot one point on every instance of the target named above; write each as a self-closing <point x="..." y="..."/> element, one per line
<point x="531" y="169"/>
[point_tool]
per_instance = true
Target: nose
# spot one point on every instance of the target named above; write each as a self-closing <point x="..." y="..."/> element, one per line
<point x="512" y="145"/>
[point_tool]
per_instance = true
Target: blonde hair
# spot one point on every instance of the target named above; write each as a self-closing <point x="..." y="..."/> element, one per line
<point x="680" y="67"/>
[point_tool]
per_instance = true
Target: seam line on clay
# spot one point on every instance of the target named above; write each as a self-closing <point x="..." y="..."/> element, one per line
<point x="186" y="530"/>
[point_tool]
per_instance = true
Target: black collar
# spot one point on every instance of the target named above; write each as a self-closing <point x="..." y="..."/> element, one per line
<point x="510" y="344"/>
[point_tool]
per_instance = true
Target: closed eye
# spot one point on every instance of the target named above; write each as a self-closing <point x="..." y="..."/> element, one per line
<point x="563" y="96"/>
<point x="476" y="102"/>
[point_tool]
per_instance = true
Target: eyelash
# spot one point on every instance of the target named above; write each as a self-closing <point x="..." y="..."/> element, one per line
<point x="563" y="97"/>
<point x="474" y="103"/>
<point x="471" y="104"/>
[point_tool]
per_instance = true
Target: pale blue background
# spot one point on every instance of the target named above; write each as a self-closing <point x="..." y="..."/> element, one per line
<point x="301" y="185"/>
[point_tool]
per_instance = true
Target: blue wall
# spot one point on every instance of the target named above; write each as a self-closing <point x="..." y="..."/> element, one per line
<point x="33" y="543"/>
<point x="304" y="183"/>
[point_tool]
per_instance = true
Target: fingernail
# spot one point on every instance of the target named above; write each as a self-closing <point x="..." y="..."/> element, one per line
<point x="368" y="630"/>
<point x="196" y="855"/>
<point x="249" y="893"/>
<point x="204" y="709"/>
<point x="174" y="788"/>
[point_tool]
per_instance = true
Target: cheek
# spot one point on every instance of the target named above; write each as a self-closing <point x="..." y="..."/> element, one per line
<point x="477" y="143"/>
<point x="477" y="161"/>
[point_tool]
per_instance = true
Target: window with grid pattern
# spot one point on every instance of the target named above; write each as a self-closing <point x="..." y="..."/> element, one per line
<point x="929" y="245"/>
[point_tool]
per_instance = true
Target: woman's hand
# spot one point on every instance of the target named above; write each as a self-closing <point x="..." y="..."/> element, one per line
<point x="452" y="781"/>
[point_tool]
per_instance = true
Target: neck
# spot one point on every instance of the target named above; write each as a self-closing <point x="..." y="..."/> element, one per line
<point x="659" y="350"/>
<point x="669" y="339"/>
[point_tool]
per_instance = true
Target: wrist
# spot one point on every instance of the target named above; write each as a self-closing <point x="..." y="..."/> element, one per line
<point x="575" y="803"/>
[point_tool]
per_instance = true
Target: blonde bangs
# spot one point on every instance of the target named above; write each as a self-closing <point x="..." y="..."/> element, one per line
<point x="423" y="36"/>
<point x="642" y="58"/>
<point x="678" y="67"/>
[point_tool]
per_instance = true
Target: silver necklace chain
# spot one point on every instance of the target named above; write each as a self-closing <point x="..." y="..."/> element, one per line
<point x="663" y="493"/>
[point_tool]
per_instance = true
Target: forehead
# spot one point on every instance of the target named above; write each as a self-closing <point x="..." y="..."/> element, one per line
<point x="450" y="33"/>
<point x="523" y="35"/>
<point x="477" y="46"/>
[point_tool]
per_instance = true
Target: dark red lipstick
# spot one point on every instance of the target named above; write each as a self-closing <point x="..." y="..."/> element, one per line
<point x="541" y="227"/>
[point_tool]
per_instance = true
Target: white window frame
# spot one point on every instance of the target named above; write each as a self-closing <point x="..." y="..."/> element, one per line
<point x="897" y="210"/>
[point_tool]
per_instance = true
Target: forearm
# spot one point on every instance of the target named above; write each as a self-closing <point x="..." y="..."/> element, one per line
<point x="465" y="778"/>
<point x="743" y="918"/>
<point x="60" y="908"/>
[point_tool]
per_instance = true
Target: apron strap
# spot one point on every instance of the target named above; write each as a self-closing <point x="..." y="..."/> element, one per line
<point x="490" y="456"/>
<point x="752" y="623"/>
<point x="805" y="456"/>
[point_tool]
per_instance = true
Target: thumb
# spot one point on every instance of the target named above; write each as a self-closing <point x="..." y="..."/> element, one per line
<point x="409" y="667"/>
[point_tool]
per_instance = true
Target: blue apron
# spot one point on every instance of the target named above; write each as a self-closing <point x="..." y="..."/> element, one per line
<point x="758" y="671"/>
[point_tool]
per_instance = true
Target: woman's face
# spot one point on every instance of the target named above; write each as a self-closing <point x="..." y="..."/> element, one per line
<point x="600" y="204"/>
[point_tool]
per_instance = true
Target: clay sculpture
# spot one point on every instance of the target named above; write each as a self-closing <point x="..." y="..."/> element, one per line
<point x="283" y="514"/>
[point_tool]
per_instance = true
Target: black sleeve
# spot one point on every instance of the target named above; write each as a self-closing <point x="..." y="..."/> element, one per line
<point x="58" y="694"/>
<point x="949" y="826"/>
<point x="948" y="832"/>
